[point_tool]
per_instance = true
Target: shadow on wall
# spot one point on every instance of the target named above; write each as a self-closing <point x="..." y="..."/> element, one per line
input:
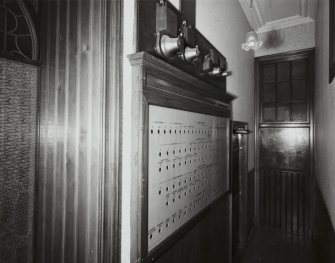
<point x="273" y="39"/>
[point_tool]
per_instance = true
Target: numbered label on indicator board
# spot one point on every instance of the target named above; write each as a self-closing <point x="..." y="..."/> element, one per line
<point x="188" y="167"/>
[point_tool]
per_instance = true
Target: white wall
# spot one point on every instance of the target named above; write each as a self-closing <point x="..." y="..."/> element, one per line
<point x="324" y="111"/>
<point x="176" y="3"/>
<point x="287" y="39"/>
<point x="128" y="48"/>
<point x="224" y="24"/>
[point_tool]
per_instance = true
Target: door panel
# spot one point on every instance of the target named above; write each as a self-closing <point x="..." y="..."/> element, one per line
<point x="285" y="142"/>
<point x="284" y="148"/>
<point x="285" y="200"/>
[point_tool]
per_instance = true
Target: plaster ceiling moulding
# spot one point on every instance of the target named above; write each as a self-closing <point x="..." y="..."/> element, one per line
<point x="253" y="14"/>
<point x="312" y="9"/>
<point x="308" y="8"/>
<point x="284" y="23"/>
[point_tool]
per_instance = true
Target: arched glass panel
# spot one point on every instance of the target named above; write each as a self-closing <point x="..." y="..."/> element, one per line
<point x="16" y="37"/>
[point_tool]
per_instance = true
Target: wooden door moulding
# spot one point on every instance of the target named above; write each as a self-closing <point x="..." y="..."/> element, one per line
<point x="287" y="56"/>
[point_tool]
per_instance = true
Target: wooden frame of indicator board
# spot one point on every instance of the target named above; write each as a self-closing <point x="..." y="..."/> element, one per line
<point x="157" y="83"/>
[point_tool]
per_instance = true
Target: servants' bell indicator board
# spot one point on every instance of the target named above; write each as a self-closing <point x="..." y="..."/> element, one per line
<point x="188" y="168"/>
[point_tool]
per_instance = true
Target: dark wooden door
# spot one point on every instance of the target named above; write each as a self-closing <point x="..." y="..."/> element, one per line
<point x="285" y="141"/>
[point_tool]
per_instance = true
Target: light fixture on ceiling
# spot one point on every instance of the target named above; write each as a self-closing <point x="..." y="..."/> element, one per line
<point x="251" y="39"/>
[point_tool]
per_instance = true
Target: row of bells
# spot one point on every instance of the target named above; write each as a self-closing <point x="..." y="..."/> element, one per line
<point x="168" y="47"/>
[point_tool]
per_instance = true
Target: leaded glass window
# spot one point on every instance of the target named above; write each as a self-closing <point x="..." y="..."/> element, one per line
<point x="16" y="36"/>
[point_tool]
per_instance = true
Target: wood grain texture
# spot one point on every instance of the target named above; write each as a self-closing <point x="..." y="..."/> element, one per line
<point x="208" y="241"/>
<point x="251" y="213"/>
<point x="284" y="168"/>
<point x="240" y="190"/>
<point x="286" y="201"/>
<point x="324" y="234"/>
<point x="79" y="131"/>
<point x="156" y="82"/>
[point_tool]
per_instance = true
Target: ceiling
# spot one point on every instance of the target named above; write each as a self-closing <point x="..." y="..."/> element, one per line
<point x="267" y="15"/>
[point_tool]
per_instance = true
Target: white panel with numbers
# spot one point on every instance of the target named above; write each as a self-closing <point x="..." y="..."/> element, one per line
<point x="188" y="168"/>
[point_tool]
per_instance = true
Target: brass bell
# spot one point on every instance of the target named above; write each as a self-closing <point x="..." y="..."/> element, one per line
<point x="190" y="54"/>
<point x="169" y="46"/>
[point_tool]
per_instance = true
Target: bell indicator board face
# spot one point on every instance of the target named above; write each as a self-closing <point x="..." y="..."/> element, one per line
<point x="188" y="168"/>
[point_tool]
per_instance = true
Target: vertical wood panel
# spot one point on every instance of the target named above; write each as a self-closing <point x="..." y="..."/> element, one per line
<point x="41" y="222"/>
<point x="79" y="81"/>
<point x="324" y="234"/>
<point x="214" y="230"/>
<point x="262" y="197"/>
<point x="284" y="207"/>
<point x="113" y="138"/>
<point x="251" y="202"/>
<point x="71" y="73"/>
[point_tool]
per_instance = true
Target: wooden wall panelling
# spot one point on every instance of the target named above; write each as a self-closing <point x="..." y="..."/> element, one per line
<point x="158" y="83"/>
<point x="207" y="241"/>
<point x="286" y="200"/>
<point x="258" y="193"/>
<point x="111" y="232"/>
<point x="78" y="185"/>
<point x="251" y="214"/>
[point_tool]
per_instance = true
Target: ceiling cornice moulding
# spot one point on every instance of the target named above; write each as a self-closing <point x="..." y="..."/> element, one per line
<point x="253" y="14"/>
<point x="284" y="23"/>
<point x="255" y="17"/>
<point x="308" y="8"/>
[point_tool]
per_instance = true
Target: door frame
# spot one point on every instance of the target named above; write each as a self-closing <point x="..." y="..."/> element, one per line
<point x="305" y="53"/>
